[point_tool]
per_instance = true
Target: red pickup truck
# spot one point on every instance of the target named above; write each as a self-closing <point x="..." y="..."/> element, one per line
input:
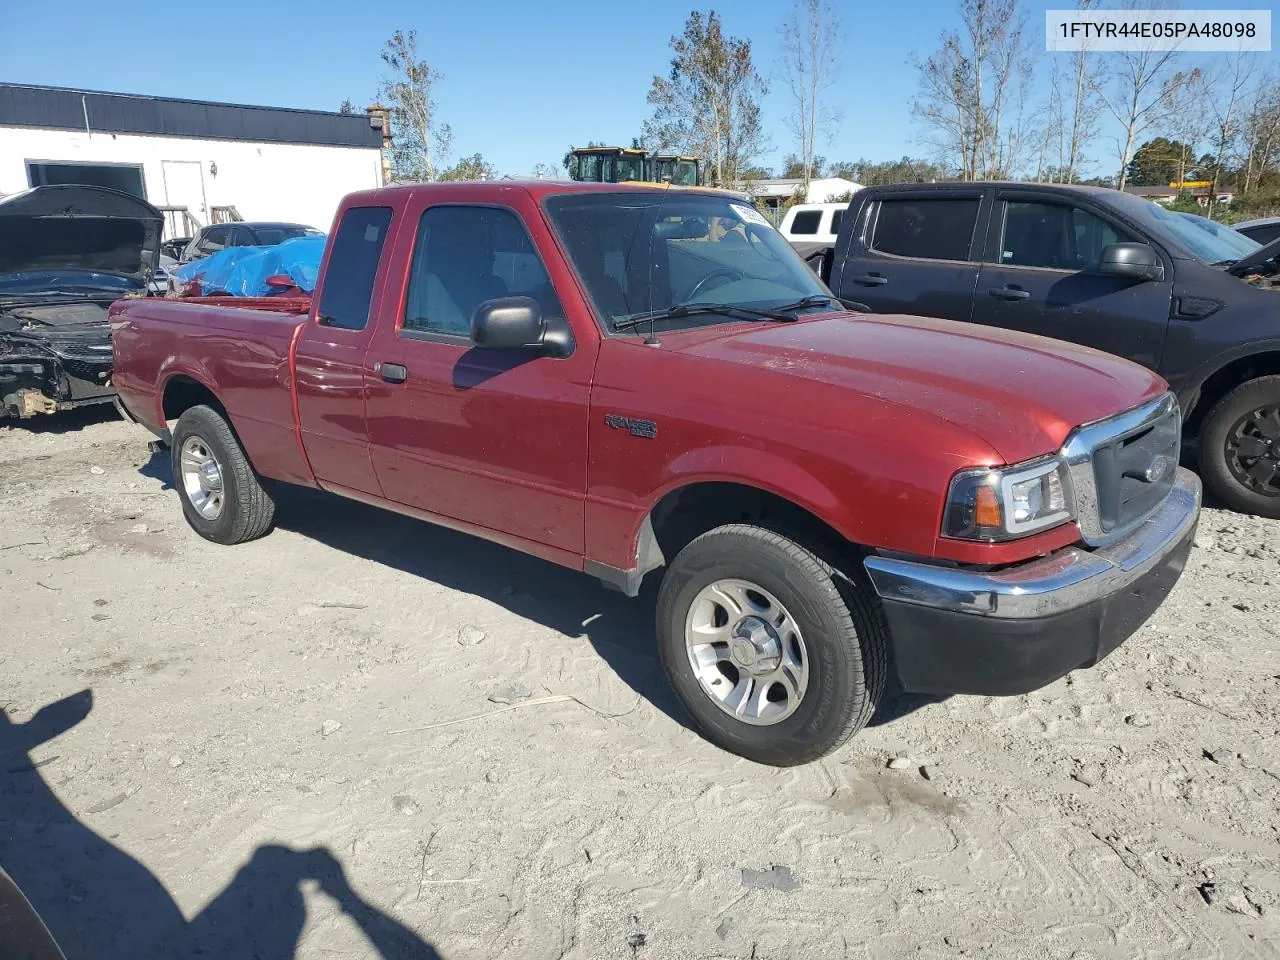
<point x="627" y="379"/>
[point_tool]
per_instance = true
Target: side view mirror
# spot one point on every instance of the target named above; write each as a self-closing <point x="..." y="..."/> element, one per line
<point x="516" y="323"/>
<point x="1132" y="261"/>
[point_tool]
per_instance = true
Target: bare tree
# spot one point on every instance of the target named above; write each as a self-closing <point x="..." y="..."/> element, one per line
<point x="1226" y="92"/>
<point x="1085" y="106"/>
<point x="1187" y="122"/>
<point x="1054" y="127"/>
<point x="1260" y="135"/>
<point x="709" y="103"/>
<point x="811" y="61"/>
<point x="1136" y="94"/>
<point x="968" y="89"/>
<point x="944" y="105"/>
<point x="421" y="143"/>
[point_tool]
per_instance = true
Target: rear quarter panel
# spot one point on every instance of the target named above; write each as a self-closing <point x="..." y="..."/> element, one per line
<point x="239" y="353"/>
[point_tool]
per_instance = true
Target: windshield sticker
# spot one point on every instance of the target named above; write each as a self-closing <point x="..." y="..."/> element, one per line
<point x="749" y="214"/>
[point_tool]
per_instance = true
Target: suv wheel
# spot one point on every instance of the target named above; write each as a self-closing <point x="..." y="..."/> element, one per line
<point x="1240" y="448"/>
<point x="778" y="657"/>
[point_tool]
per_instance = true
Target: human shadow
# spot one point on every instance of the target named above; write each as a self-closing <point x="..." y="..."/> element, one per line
<point x="99" y="902"/>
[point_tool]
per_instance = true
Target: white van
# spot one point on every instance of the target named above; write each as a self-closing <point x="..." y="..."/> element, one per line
<point x="813" y="222"/>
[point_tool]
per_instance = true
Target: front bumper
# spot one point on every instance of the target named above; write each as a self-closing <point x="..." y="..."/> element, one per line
<point x="1010" y="631"/>
<point x="46" y="376"/>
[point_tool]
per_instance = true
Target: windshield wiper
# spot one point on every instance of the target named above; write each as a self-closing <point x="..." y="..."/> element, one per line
<point x="682" y="310"/>
<point x="815" y="300"/>
<point x="1224" y="263"/>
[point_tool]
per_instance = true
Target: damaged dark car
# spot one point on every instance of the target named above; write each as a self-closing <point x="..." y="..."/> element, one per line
<point x="67" y="252"/>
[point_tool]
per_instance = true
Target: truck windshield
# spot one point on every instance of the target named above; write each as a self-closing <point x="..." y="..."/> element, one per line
<point x="1239" y="245"/>
<point x="43" y="282"/>
<point x="645" y="252"/>
<point x="1208" y="245"/>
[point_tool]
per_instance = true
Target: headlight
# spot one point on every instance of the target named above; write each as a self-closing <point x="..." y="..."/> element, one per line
<point x="1009" y="502"/>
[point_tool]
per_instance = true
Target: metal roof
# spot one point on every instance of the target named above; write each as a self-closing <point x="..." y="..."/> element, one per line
<point x="60" y="108"/>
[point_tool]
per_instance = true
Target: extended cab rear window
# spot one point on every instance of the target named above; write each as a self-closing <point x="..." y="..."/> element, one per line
<point x="353" y="267"/>
<point x="926" y="229"/>
<point x="806" y="221"/>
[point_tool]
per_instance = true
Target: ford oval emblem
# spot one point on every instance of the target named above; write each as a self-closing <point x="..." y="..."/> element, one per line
<point x="1158" y="469"/>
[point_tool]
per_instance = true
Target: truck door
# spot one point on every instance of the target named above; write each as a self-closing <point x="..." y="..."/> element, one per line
<point x="330" y="356"/>
<point x="495" y="438"/>
<point x="1038" y="276"/>
<point x="914" y="253"/>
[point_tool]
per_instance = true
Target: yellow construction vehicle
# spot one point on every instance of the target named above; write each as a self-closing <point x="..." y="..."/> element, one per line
<point x="681" y="171"/>
<point x="633" y="165"/>
<point x="609" y="165"/>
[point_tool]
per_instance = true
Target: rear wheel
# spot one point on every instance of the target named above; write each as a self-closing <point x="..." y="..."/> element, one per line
<point x="222" y="498"/>
<point x="778" y="657"/>
<point x="1240" y="448"/>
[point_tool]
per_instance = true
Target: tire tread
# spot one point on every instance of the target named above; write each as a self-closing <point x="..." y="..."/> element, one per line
<point x="253" y="509"/>
<point x="863" y="632"/>
<point x="1213" y="464"/>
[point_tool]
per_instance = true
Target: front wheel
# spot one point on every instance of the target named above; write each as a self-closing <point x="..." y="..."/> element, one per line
<point x="222" y="498"/>
<point x="777" y="656"/>
<point x="1240" y="448"/>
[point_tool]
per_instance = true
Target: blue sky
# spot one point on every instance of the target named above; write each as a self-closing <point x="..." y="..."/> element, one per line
<point x="522" y="80"/>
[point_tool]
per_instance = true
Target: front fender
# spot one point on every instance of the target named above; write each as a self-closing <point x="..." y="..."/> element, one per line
<point x="1190" y="390"/>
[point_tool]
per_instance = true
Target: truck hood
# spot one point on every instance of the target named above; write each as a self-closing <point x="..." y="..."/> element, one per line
<point x="77" y="231"/>
<point x="1019" y="393"/>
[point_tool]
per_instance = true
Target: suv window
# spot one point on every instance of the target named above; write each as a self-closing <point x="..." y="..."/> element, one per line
<point x="353" y="267"/>
<point x="213" y="240"/>
<point x="836" y="217"/>
<point x="806" y="221"/>
<point x="242" y="237"/>
<point x="464" y="256"/>
<point x="1056" y="236"/>
<point x="927" y="229"/>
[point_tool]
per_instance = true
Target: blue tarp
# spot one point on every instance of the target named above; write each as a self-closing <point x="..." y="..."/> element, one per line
<point x="243" y="271"/>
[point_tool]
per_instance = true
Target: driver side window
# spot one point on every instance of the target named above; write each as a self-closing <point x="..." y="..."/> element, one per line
<point x="1055" y="236"/>
<point x="463" y="256"/>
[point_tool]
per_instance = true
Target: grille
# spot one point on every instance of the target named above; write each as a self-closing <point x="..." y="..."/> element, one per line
<point x="1123" y="468"/>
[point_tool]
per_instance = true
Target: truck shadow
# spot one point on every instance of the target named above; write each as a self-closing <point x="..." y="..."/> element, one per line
<point x="619" y="628"/>
<point x="100" y="902"/>
<point x="70" y="421"/>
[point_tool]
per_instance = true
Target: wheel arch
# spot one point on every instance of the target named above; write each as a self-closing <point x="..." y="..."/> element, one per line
<point x="690" y="509"/>
<point x="182" y="391"/>
<point x="1258" y="360"/>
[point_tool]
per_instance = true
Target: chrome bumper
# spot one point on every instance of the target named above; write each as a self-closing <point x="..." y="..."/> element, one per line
<point x="1064" y="581"/>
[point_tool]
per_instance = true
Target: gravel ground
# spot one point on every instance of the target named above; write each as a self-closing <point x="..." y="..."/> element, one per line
<point x="368" y="736"/>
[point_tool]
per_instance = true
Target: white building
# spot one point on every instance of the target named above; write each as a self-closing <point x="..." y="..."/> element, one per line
<point x="217" y="161"/>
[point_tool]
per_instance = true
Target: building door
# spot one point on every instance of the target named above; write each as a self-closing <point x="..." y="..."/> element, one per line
<point x="184" y="187"/>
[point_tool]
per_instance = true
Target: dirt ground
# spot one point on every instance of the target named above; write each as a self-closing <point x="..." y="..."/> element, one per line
<point x="482" y="758"/>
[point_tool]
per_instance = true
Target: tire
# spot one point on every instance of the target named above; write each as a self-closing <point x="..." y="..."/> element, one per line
<point x="843" y="633"/>
<point x="243" y="509"/>
<point x="1220" y="465"/>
